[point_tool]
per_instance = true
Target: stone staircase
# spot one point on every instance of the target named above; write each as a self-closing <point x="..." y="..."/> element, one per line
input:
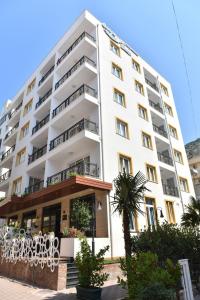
<point x="72" y="273"/>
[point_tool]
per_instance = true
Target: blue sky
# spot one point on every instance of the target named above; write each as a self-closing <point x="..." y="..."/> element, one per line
<point x="30" y="28"/>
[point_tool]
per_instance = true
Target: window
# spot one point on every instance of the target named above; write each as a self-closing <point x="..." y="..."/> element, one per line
<point x="146" y="140"/>
<point x="24" y="130"/>
<point x="139" y="87"/>
<point x="119" y="97"/>
<point x="114" y="48"/>
<point x="142" y="112"/>
<point x="133" y="224"/>
<point x="122" y="128"/>
<point x="13" y="221"/>
<point x="28" y="107"/>
<point x="168" y="109"/>
<point x="29" y="220"/>
<point x="184" y="184"/>
<point x="173" y="132"/>
<point x="125" y="164"/>
<point x="21" y="157"/>
<point x="150" y="212"/>
<point x="17" y="185"/>
<point x="151" y="173"/>
<point x="164" y="89"/>
<point x="170" y="212"/>
<point x="31" y="86"/>
<point x="136" y="66"/>
<point x="117" y="71"/>
<point x="178" y="156"/>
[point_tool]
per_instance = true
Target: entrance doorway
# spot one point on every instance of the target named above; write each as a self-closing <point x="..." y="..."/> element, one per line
<point x="51" y="219"/>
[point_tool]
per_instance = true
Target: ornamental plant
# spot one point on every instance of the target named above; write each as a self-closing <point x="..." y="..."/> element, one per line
<point x="90" y="266"/>
<point x="81" y="215"/>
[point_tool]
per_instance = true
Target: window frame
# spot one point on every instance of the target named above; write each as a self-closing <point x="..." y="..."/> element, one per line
<point x="129" y="158"/>
<point x="114" y="65"/>
<point x="116" y="91"/>
<point x="155" y="210"/>
<point x="145" y="109"/>
<point x="176" y="132"/>
<point x="31" y="86"/>
<point x="27" y="125"/>
<point x="136" y="66"/>
<point x="149" y="136"/>
<point x="126" y="128"/>
<point x="138" y="83"/>
<point x="19" y="156"/>
<point x="117" y="47"/>
<point x="14" y="185"/>
<point x="26" y="107"/>
<point x="187" y="185"/>
<point x="169" y="106"/>
<point x="179" y="152"/>
<point x="164" y="89"/>
<point x="156" y="176"/>
<point x="171" y="219"/>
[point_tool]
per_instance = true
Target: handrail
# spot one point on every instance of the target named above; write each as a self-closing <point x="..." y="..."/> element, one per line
<point x="37" y="154"/>
<point x="77" y="41"/>
<point x="81" y="168"/>
<point x="5" y="176"/>
<point x="34" y="187"/>
<point x="43" y="98"/>
<point x="46" y="75"/>
<point x="7" y="153"/>
<point x="10" y="114"/>
<point x="11" y="131"/>
<point x="159" y="130"/>
<point x="151" y="84"/>
<point x="81" y="90"/>
<point x="75" y="129"/>
<point x="156" y="106"/>
<point x="170" y="190"/>
<point x="165" y="158"/>
<point x="73" y="69"/>
<point x="40" y="124"/>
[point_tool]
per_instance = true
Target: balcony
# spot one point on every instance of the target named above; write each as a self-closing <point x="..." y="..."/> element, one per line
<point x="41" y="124"/>
<point x="160" y="130"/>
<point x="83" y="60"/>
<point x="35" y="187"/>
<point x="46" y="75"/>
<point x="82" y="168"/>
<point x="83" y="89"/>
<point x="5" y="176"/>
<point x="151" y="84"/>
<point x="9" y="133"/>
<point x="7" y="153"/>
<point x="43" y="99"/>
<point x="156" y="106"/>
<point x="165" y="158"/>
<point x="77" y="41"/>
<point x="11" y="114"/>
<point x="37" y="154"/>
<point x="84" y="124"/>
<point x="170" y="190"/>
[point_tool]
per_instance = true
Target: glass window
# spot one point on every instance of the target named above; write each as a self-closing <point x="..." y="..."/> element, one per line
<point x="142" y="112"/>
<point x="125" y="164"/>
<point x="139" y="87"/>
<point x="31" y="86"/>
<point x="122" y="128"/>
<point x="151" y="173"/>
<point x="178" y="156"/>
<point x="150" y="212"/>
<point x="170" y="212"/>
<point x="117" y="71"/>
<point x="21" y="157"/>
<point x="173" y="132"/>
<point x="28" y="107"/>
<point x="168" y="109"/>
<point x="184" y="185"/>
<point x="24" y="130"/>
<point x="119" y="97"/>
<point x="29" y="220"/>
<point x="146" y="139"/>
<point x="17" y="185"/>
<point x="133" y="223"/>
<point x="136" y="66"/>
<point x="164" y="89"/>
<point x="114" y="48"/>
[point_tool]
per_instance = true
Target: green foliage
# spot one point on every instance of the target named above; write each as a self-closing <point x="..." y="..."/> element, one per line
<point x="81" y="214"/>
<point x="90" y="266"/>
<point x="146" y="272"/>
<point x="157" y="291"/>
<point x="192" y="216"/>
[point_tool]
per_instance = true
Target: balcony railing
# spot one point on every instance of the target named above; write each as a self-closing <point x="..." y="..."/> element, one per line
<point x="44" y="98"/>
<point x="11" y="131"/>
<point x="5" y="176"/>
<point x="77" y="41"/>
<point x="11" y="114"/>
<point x="165" y="158"/>
<point x="40" y="124"/>
<point x="82" y="168"/>
<point x="37" y="154"/>
<point x="46" y="75"/>
<point x="7" y="153"/>
<point x="35" y="187"/>
<point x="159" y="130"/>
<point x="151" y="84"/>
<point x="170" y="190"/>
<point x="83" y="89"/>
<point x="73" y="69"/>
<point x="75" y="129"/>
<point x="156" y="106"/>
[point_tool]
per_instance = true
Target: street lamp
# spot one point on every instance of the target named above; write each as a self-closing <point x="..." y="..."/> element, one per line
<point x="161" y="212"/>
<point x="94" y="210"/>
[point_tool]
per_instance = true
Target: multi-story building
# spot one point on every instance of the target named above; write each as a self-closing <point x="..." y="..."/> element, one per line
<point x="92" y="108"/>
<point x="193" y="154"/>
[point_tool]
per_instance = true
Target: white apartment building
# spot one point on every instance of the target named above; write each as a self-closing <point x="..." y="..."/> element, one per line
<point x="92" y="108"/>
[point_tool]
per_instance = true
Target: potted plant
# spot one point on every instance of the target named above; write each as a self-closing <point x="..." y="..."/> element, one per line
<point x="91" y="276"/>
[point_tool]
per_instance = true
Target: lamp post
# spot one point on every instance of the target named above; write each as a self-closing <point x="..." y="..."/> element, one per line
<point x="94" y="210"/>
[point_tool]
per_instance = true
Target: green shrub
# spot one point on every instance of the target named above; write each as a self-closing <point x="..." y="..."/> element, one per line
<point x="157" y="291"/>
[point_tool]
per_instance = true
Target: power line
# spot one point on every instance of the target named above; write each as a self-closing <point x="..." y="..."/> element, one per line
<point x="186" y="70"/>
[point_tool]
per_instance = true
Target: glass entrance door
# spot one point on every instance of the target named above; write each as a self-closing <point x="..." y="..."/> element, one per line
<point x="51" y="219"/>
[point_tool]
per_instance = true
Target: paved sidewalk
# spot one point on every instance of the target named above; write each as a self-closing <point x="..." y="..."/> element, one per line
<point x="14" y="290"/>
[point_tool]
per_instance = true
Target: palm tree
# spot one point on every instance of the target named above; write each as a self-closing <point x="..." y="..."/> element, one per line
<point x="129" y="194"/>
<point x="192" y="216"/>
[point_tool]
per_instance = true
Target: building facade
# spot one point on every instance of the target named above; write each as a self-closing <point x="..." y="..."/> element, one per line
<point x="193" y="154"/>
<point x="92" y="108"/>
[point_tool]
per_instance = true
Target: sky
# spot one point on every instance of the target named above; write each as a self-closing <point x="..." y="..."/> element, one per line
<point x="30" y="28"/>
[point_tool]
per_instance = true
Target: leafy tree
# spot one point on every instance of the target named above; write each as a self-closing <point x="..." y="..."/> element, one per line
<point x="129" y="194"/>
<point x="81" y="214"/>
<point x="192" y="216"/>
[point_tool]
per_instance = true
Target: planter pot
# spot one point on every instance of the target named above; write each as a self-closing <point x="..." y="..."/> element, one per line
<point x="88" y="293"/>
